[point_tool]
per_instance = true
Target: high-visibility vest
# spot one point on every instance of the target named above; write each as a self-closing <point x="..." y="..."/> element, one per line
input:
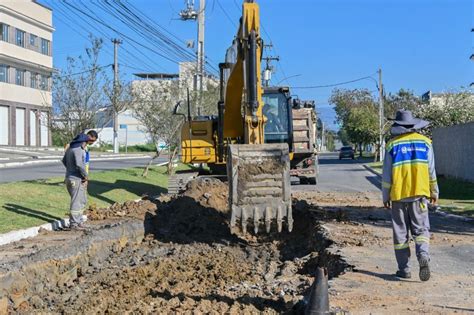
<point x="410" y="171"/>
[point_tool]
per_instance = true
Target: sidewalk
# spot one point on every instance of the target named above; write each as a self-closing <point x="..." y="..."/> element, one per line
<point x="371" y="287"/>
<point x="14" y="157"/>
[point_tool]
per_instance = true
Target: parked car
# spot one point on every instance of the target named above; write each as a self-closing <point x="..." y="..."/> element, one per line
<point x="346" y="152"/>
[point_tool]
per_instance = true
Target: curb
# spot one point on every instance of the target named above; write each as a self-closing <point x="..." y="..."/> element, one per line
<point x="14" y="236"/>
<point x="370" y="169"/>
<point x="453" y="216"/>
<point x="51" y="161"/>
<point x="18" y="235"/>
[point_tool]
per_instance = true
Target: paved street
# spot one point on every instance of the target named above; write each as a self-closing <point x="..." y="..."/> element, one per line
<point x="41" y="171"/>
<point x="342" y="176"/>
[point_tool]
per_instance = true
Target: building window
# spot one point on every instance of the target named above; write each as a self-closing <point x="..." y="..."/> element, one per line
<point x="33" y="80"/>
<point x="44" y="82"/>
<point x="20" y="77"/>
<point x="44" y="46"/>
<point x="20" y="38"/>
<point x="4" y="73"/>
<point x="4" y="32"/>
<point x="32" y="40"/>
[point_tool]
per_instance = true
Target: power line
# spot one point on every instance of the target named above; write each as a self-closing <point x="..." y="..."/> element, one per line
<point x="142" y="24"/>
<point x="334" y="84"/>
<point x="120" y="33"/>
<point x="129" y="53"/>
<point x="64" y="12"/>
<point x="82" y="72"/>
<point x="225" y="12"/>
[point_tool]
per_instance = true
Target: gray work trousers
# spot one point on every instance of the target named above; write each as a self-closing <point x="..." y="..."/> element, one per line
<point x="78" y="192"/>
<point x="410" y="217"/>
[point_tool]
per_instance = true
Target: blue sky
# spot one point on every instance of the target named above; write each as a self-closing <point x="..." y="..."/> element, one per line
<point x="419" y="44"/>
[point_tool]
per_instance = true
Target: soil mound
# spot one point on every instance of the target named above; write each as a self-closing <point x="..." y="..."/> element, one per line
<point x="209" y="192"/>
<point x="136" y="209"/>
<point x="190" y="261"/>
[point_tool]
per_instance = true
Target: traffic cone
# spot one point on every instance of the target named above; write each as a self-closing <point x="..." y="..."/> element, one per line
<point x="319" y="298"/>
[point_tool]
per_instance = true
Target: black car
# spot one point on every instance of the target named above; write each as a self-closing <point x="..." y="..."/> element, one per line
<point x="346" y="152"/>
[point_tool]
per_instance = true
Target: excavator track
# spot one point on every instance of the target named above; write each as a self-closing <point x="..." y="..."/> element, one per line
<point x="177" y="182"/>
<point x="259" y="186"/>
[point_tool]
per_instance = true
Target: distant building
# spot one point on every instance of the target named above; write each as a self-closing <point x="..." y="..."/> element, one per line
<point x="26" y="66"/>
<point x="130" y="132"/>
<point x="144" y="83"/>
<point x="441" y="99"/>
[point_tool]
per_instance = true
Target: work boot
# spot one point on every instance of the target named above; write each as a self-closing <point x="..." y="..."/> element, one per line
<point x="403" y="274"/>
<point x="424" y="268"/>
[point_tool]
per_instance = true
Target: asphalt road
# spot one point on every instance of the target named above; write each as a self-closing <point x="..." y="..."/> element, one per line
<point x="334" y="175"/>
<point x="342" y="176"/>
<point x="42" y="171"/>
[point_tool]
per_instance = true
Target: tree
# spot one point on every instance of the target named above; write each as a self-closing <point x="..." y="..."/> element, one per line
<point x="209" y="99"/>
<point x="403" y="99"/>
<point x="78" y="94"/>
<point x="343" y="137"/>
<point x="362" y="126"/>
<point x="357" y="112"/>
<point x="153" y="106"/>
<point x="447" y="109"/>
<point x="330" y="140"/>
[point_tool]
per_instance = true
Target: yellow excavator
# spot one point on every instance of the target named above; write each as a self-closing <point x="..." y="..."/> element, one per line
<point x="251" y="147"/>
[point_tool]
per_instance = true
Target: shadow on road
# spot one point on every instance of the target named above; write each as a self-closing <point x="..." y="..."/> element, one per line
<point x="326" y="160"/>
<point x="374" y="180"/>
<point x="97" y="189"/>
<point x="384" y="276"/>
<point x="30" y="212"/>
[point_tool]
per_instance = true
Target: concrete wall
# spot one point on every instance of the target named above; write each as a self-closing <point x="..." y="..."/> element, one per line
<point x="454" y="151"/>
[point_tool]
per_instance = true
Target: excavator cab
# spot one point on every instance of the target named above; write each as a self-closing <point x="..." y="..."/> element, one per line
<point x="277" y="110"/>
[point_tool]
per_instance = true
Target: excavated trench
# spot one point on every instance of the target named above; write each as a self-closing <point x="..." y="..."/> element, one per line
<point x="173" y="255"/>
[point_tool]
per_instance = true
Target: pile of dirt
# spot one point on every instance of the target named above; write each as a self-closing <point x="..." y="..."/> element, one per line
<point x="135" y="209"/>
<point x="190" y="261"/>
<point x="209" y="192"/>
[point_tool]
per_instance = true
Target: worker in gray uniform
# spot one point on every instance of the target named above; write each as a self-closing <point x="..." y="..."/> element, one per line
<point x="77" y="178"/>
<point x="408" y="180"/>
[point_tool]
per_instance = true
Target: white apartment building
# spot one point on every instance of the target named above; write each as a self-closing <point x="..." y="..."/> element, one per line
<point x="26" y="66"/>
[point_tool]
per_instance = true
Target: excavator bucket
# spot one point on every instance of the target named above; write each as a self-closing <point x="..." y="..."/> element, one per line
<point x="259" y="186"/>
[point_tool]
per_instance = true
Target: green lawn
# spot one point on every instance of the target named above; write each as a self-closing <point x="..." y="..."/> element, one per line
<point x="32" y="203"/>
<point x="456" y="196"/>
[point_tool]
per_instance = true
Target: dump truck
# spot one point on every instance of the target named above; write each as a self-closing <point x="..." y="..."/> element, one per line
<point x="302" y="132"/>
<point x="304" y="163"/>
<point x="240" y="141"/>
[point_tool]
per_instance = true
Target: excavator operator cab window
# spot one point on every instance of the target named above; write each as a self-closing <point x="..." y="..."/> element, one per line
<point x="276" y="110"/>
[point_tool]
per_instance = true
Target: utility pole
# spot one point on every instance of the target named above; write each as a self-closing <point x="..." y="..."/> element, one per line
<point x="267" y="73"/>
<point x="190" y="14"/>
<point x="200" y="49"/>
<point x="116" y="43"/>
<point x="323" y="137"/>
<point x="381" y="118"/>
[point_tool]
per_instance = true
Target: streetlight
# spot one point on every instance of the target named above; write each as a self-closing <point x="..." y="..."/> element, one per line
<point x="286" y="78"/>
<point x="379" y="86"/>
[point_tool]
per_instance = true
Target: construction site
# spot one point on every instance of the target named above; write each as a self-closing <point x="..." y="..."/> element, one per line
<point x="246" y="206"/>
<point x="177" y="255"/>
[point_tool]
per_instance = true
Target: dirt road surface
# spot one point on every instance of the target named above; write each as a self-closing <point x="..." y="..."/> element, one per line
<point x="178" y="255"/>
